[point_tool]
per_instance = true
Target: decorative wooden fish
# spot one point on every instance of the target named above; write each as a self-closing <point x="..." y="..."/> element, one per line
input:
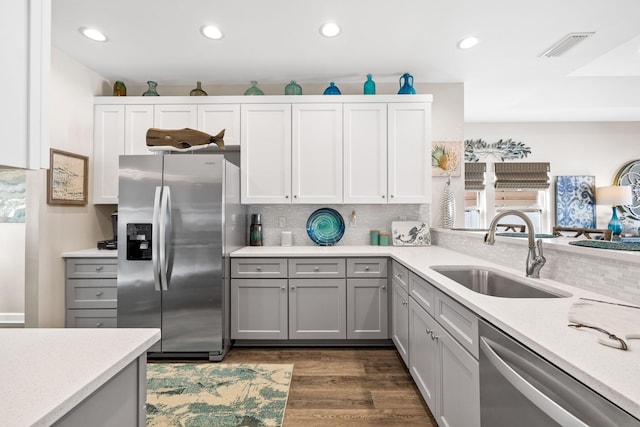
<point x="181" y="139"/>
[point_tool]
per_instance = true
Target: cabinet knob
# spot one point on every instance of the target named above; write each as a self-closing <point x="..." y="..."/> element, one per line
<point x="404" y="303"/>
<point x="383" y="196"/>
<point x="399" y="276"/>
<point x="435" y="337"/>
<point x="99" y="268"/>
<point x="282" y="287"/>
<point x="293" y="287"/>
<point x="295" y="196"/>
<point x="391" y="196"/>
<point x="99" y="293"/>
<point x="286" y="197"/>
<point x="366" y="269"/>
<point x="383" y="287"/>
<point x="317" y="269"/>
<point x="99" y="324"/>
<point x="259" y="268"/>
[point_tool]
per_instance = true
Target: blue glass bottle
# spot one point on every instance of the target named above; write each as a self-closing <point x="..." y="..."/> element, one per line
<point x="332" y="90"/>
<point x="406" y="88"/>
<point x="615" y="225"/>
<point x="369" y="86"/>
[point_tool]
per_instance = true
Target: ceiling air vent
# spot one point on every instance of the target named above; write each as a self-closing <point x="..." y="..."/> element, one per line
<point x="566" y="43"/>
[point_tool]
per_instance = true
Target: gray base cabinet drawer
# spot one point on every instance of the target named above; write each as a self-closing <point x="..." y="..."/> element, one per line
<point x="92" y="293"/>
<point x="400" y="274"/>
<point x="317" y="268"/>
<point x="92" y="318"/>
<point x="366" y="267"/>
<point x="275" y="268"/>
<point x="423" y="292"/>
<point x="458" y="320"/>
<point x="84" y="268"/>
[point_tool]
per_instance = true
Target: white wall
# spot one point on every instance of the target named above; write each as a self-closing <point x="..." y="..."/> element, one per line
<point x="54" y="229"/>
<point x="572" y="148"/>
<point x="12" y="267"/>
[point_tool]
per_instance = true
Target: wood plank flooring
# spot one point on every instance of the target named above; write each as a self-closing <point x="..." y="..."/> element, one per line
<point x="344" y="387"/>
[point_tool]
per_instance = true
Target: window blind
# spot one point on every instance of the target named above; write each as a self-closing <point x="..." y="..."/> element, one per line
<point x="474" y="176"/>
<point x="522" y="175"/>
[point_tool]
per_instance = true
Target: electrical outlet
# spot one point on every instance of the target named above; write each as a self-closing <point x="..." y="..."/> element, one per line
<point x="282" y="221"/>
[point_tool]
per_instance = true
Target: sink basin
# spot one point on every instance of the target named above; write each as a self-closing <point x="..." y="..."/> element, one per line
<point x="494" y="283"/>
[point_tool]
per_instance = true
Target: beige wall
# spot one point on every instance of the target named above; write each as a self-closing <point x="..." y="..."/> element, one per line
<point x="54" y="229"/>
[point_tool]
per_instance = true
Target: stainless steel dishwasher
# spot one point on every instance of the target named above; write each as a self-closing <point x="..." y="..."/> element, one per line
<point x="519" y="388"/>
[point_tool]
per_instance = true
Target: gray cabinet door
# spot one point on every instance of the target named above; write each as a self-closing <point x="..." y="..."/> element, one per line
<point x="459" y="394"/>
<point x="423" y="354"/>
<point x="259" y="309"/>
<point x="400" y="320"/>
<point x="367" y="309"/>
<point x="317" y="309"/>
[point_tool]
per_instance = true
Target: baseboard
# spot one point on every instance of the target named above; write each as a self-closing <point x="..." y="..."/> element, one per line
<point x="11" y="320"/>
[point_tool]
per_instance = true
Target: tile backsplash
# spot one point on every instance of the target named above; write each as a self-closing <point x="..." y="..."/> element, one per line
<point x="278" y="218"/>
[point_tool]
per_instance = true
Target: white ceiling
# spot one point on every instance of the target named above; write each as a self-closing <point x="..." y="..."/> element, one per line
<point x="275" y="41"/>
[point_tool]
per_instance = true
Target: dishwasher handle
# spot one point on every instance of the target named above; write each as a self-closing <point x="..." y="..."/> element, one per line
<point x="528" y="390"/>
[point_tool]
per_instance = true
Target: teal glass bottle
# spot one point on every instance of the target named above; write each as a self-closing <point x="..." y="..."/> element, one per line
<point x="332" y="90"/>
<point x="254" y="89"/>
<point x="293" y="88"/>
<point x="369" y="86"/>
<point x="406" y="88"/>
<point x="151" y="90"/>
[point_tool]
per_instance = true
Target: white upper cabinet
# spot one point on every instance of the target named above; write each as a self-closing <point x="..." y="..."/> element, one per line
<point x="365" y="153"/>
<point x="108" y="145"/>
<point x="137" y="120"/>
<point x="212" y="118"/>
<point x="26" y="49"/>
<point x="175" y="116"/>
<point x="409" y="152"/>
<point x="316" y="153"/>
<point x="265" y="174"/>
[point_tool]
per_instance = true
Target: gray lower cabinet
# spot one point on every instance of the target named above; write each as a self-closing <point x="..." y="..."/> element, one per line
<point x="367" y="298"/>
<point x="317" y="309"/>
<point x="91" y="292"/>
<point x="259" y="309"/>
<point x="441" y="360"/>
<point x="400" y="320"/>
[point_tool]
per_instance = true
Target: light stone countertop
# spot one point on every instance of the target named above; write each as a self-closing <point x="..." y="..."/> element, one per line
<point x="47" y="372"/>
<point x="91" y="253"/>
<point x="540" y="324"/>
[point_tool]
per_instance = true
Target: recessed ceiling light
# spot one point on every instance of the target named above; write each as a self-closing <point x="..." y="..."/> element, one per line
<point x="93" y="34"/>
<point x="211" y="32"/>
<point x="330" y="29"/>
<point x="467" y="42"/>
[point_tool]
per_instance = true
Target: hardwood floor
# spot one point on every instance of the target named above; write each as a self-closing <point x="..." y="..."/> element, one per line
<point x="344" y="386"/>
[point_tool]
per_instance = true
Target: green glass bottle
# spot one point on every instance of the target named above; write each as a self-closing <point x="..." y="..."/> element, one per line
<point x="369" y="86"/>
<point x="254" y="89"/>
<point x="151" y="90"/>
<point x="119" y="89"/>
<point x="198" y="90"/>
<point x="293" y="88"/>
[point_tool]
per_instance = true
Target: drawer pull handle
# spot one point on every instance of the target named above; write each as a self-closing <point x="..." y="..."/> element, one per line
<point x="366" y="268"/>
<point x="317" y="269"/>
<point x="99" y="324"/>
<point x="99" y="293"/>
<point x="259" y="268"/>
<point x="404" y="303"/>
<point x="399" y="275"/>
<point x="99" y="268"/>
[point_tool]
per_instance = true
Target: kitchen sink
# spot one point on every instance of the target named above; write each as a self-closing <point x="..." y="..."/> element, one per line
<point x="494" y="283"/>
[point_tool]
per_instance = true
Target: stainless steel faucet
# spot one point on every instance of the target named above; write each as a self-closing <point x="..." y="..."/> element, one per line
<point x="535" y="259"/>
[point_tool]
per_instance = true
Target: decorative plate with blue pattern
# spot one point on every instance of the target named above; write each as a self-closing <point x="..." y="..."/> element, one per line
<point x="325" y="227"/>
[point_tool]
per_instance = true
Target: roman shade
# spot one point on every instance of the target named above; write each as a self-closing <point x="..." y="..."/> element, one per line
<point x="474" y="176"/>
<point x="523" y="176"/>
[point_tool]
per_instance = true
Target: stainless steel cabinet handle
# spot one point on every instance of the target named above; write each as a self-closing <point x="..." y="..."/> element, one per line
<point x="99" y="293"/>
<point x="537" y="397"/>
<point x="99" y="324"/>
<point x="99" y="268"/>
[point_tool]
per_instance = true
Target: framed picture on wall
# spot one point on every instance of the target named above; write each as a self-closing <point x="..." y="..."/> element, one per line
<point x="575" y="201"/>
<point x="446" y="157"/>
<point x="67" y="179"/>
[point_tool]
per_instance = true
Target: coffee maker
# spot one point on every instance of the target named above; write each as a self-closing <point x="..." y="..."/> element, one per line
<point x="113" y="243"/>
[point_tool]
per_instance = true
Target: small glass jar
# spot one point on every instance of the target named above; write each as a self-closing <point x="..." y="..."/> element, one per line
<point x="198" y="90"/>
<point x="119" y="89"/>
<point x="254" y="89"/>
<point x="151" y="90"/>
<point x="293" y="88"/>
<point x="332" y="90"/>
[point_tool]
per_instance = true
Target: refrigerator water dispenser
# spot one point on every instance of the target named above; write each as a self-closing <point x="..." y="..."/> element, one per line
<point x="139" y="242"/>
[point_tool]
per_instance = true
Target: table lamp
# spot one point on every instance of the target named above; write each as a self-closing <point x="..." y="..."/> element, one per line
<point x="614" y="196"/>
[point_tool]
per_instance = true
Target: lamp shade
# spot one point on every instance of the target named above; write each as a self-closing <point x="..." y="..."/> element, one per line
<point x="614" y="195"/>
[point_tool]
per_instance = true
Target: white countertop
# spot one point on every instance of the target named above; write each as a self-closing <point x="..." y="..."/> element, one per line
<point x="540" y="324"/>
<point x="47" y="372"/>
<point x="91" y="253"/>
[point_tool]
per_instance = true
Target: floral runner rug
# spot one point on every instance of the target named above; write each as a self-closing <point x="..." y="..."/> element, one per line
<point x="216" y="394"/>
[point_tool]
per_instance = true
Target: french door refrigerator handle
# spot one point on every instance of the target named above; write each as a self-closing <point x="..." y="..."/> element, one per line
<point x="535" y="396"/>
<point x="155" y="227"/>
<point x="165" y="229"/>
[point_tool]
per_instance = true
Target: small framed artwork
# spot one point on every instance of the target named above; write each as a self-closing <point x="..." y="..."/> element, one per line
<point x="67" y="179"/>
<point x="446" y="157"/>
<point x="575" y="201"/>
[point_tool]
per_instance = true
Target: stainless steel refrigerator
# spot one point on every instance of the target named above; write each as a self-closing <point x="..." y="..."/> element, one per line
<point x="179" y="218"/>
